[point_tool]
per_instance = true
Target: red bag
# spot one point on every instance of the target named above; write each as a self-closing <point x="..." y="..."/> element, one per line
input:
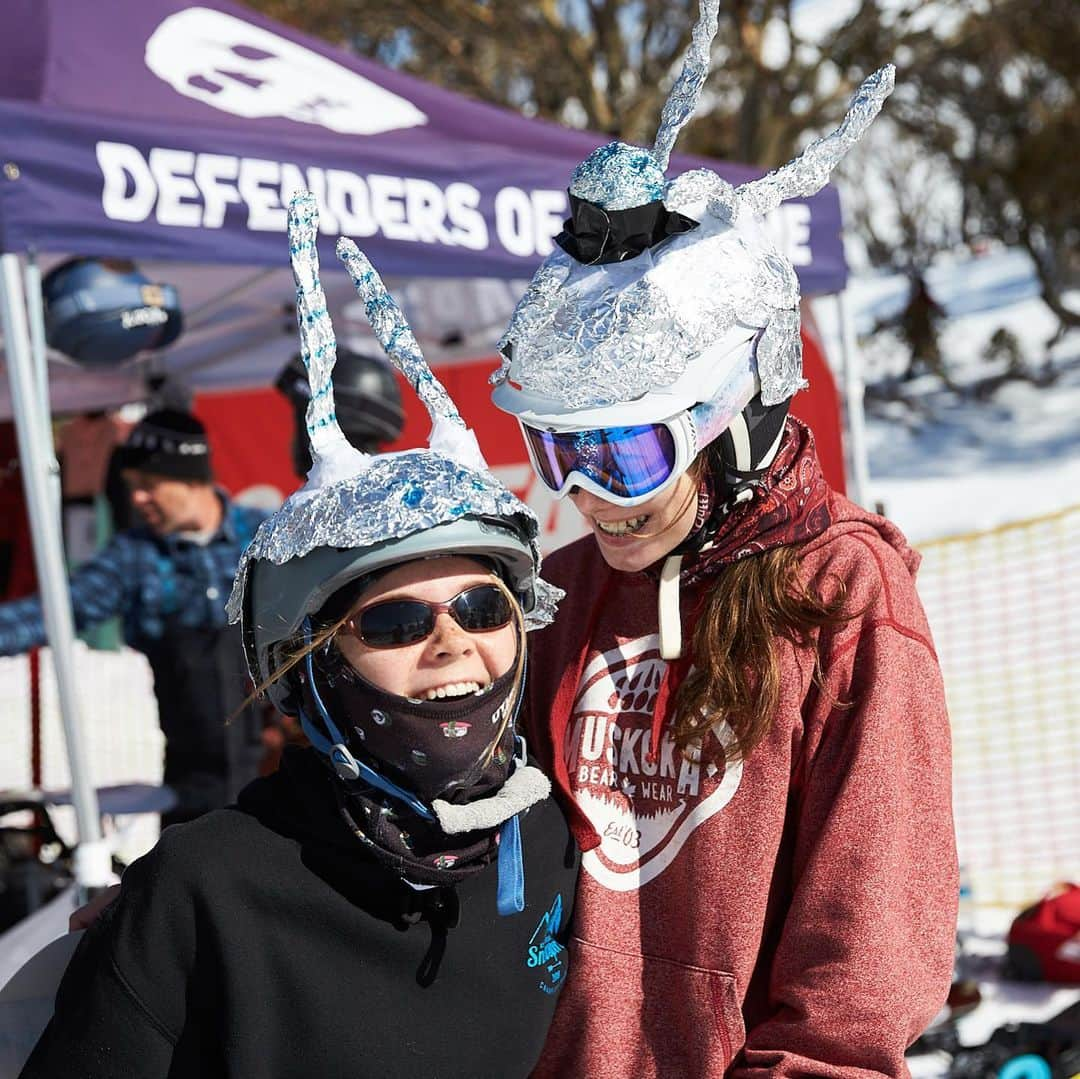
<point x="1044" y="940"/>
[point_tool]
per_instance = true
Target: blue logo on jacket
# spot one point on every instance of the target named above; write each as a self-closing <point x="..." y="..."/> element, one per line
<point x="545" y="952"/>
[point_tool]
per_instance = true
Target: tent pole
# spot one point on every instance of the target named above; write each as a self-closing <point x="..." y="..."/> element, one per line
<point x="36" y="310"/>
<point x="858" y="456"/>
<point x="93" y="865"/>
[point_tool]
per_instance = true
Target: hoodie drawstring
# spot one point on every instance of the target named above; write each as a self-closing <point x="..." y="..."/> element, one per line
<point x="669" y="616"/>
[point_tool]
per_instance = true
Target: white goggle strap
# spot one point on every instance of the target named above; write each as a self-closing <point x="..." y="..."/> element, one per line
<point x="710" y="419"/>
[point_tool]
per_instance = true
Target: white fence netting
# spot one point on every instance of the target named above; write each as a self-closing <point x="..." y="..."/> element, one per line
<point x="1004" y="607"/>
<point x="123" y="740"/>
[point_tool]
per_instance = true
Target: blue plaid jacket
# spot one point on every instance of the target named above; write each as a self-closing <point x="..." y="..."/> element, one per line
<point x="148" y="580"/>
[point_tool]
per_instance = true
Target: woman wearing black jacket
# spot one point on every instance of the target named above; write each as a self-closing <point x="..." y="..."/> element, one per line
<point x="394" y="900"/>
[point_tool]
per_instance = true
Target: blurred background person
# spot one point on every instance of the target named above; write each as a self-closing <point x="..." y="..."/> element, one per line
<point x="168" y="578"/>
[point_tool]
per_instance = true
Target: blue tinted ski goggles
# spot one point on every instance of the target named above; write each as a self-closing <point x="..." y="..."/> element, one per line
<point x="622" y="465"/>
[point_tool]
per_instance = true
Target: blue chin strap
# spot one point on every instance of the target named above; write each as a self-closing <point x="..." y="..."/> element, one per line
<point x="510" y="894"/>
<point x="343" y="762"/>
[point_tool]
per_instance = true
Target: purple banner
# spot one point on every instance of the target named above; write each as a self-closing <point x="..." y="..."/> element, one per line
<point x="162" y="130"/>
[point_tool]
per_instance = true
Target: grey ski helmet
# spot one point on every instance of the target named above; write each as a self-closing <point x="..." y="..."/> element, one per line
<point x="278" y="598"/>
<point x="360" y="513"/>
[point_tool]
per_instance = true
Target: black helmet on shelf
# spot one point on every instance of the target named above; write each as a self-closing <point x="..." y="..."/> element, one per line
<point x="367" y="401"/>
<point x="102" y="311"/>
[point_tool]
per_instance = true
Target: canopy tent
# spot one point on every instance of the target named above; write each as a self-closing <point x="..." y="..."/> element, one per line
<point x="166" y="131"/>
<point x="161" y="129"/>
<point x="174" y="134"/>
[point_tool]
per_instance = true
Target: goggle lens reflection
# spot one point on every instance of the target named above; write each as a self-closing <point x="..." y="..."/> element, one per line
<point x="626" y="461"/>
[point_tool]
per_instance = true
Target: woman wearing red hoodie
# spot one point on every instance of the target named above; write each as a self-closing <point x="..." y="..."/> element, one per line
<point x="740" y="699"/>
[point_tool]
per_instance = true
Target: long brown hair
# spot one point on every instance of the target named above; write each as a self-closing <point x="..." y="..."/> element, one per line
<point x="757" y="603"/>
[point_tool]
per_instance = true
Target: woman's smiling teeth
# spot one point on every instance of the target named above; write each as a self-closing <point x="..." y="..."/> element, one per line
<point x="454" y="689"/>
<point x="622" y="528"/>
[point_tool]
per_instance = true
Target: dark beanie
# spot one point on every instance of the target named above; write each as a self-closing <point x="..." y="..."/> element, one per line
<point x="169" y="443"/>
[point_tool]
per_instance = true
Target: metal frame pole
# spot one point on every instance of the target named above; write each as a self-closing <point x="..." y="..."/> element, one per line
<point x="93" y="864"/>
<point x="36" y="311"/>
<point x="858" y="455"/>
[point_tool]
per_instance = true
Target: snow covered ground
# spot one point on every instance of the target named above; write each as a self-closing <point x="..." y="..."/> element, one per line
<point x="945" y="462"/>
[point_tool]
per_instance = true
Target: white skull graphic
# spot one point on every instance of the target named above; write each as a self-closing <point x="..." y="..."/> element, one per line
<point x="243" y="69"/>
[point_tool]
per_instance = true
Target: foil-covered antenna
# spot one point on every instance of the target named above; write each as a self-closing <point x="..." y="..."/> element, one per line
<point x="333" y="456"/>
<point x="449" y="433"/>
<point x="701" y="187"/>
<point x="809" y="172"/>
<point x="684" y="95"/>
<point x="390" y="327"/>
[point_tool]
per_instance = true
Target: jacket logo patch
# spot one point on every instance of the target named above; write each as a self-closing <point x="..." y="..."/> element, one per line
<point x="545" y="953"/>
<point x="643" y="809"/>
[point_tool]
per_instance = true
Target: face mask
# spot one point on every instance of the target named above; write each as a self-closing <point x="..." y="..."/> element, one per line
<point x="454" y="750"/>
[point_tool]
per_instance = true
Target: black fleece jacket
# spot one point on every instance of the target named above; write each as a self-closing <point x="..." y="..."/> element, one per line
<point x="261" y="940"/>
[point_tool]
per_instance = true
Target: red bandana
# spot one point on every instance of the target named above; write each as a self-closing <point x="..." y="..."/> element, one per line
<point x="790" y="504"/>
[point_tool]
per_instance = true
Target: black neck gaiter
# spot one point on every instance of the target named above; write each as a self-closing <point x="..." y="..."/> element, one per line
<point x="456" y="750"/>
<point x="416" y="849"/>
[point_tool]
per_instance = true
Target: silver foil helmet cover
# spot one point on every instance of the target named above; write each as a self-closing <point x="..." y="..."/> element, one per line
<point x="598" y="337"/>
<point x="354" y="504"/>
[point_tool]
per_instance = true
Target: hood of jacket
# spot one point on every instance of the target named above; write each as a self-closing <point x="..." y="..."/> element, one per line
<point x="849" y="519"/>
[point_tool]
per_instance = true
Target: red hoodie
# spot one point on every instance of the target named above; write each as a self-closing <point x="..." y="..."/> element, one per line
<point x="792" y="915"/>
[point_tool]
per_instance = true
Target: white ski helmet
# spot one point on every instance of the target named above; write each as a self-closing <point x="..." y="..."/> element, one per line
<point x="666" y="302"/>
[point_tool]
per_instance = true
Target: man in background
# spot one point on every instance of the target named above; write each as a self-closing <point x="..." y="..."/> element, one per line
<point x="168" y="577"/>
